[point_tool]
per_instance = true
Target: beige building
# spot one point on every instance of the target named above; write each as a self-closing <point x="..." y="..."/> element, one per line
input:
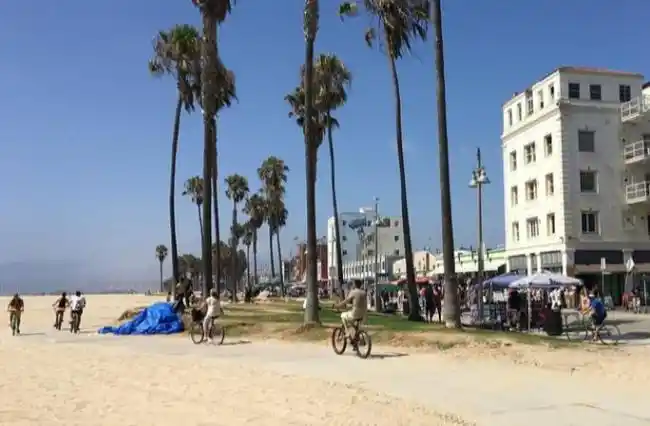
<point x="423" y="261"/>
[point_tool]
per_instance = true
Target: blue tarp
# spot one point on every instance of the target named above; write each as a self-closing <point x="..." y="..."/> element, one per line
<point x="158" y="318"/>
<point x="501" y="281"/>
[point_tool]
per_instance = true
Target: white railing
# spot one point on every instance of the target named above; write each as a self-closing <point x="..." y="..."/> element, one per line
<point x="635" y="107"/>
<point x="637" y="192"/>
<point x="637" y="150"/>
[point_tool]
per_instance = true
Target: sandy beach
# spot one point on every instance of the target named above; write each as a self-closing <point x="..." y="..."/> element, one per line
<point x="51" y="378"/>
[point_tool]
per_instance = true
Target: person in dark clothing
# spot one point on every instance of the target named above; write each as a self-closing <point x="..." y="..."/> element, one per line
<point x="514" y="308"/>
<point x="429" y="303"/>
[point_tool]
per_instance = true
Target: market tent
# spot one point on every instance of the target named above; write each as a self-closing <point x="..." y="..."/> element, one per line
<point x="501" y="281"/>
<point x="544" y="280"/>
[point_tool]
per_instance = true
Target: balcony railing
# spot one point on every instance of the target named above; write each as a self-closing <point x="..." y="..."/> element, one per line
<point x="637" y="192"/>
<point x="635" y="107"/>
<point x="636" y="151"/>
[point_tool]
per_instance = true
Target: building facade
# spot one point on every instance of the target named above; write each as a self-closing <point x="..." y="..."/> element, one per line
<point x="365" y="268"/>
<point x="358" y="237"/>
<point x="300" y="262"/>
<point x="576" y="173"/>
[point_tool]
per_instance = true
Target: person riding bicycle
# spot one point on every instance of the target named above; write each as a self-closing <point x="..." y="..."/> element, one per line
<point x="15" y="308"/>
<point x="357" y="297"/>
<point x="77" y="306"/>
<point x="597" y="311"/>
<point x="59" y="308"/>
<point x="213" y="310"/>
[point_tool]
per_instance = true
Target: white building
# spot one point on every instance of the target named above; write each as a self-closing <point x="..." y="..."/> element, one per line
<point x="576" y="163"/>
<point x="358" y="237"/>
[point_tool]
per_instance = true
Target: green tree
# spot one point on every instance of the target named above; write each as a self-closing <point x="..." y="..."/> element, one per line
<point x="161" y="255"/>
<point x="400" y="23"/>
<point x="236" y="191"/>
<point x="175" y="53"/>
<point x="254" y="208"/>
<point x="214" y="82"/>
<point x="273" y="174"/>
<point x="247" y="240"/>
<point x="194" y="190"/>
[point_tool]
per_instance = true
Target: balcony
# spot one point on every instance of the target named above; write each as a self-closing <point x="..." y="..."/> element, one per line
<point x="636" y="108"/>
<point x="636" y="152"/>
<point x="638" y="192"/>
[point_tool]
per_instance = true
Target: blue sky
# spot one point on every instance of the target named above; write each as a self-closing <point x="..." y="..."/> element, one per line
<point x="85" y="132"/>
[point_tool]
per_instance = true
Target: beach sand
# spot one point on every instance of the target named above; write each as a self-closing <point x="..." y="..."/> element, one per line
<point x="50" y="378"/>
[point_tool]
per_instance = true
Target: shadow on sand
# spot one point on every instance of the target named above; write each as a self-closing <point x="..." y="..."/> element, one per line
<point x="31" y="334"/>
<point x="236" y="342"/>
<point x="635" y="335"/>
<point x="388" y="355"/>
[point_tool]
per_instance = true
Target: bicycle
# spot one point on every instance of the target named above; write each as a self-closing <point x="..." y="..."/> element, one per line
<point x="14" y="323"/>
<point x="217" y="332"/>
<point x="74" y="322"/>
<point x="359" y="339"/>
<point x="58" y="319"/>
<point x="607" y="334"/>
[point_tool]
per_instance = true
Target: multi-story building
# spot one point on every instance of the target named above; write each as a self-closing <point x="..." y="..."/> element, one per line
<point x="358" y="237"/>
<point x="300" y="261"/>
<point x="577" y="174"/>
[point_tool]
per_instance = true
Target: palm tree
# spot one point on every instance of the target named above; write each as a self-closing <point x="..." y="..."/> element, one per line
<point x="280" y="221"/>
<point x="452" y="307"/>
<point x="254" y="208"/>
<point x="248" y="242"/>
<point x="236" y="191"/>
<point x="332" y="79"/>
<point x="189" y="265"/>
<point x="194" y="190"/>
<point x="213" y="74"/>
<point x="400" y="22"/>
<point x="175" y="53"/>
<point x="273" y="174"/>
<point x="161" y="255"/>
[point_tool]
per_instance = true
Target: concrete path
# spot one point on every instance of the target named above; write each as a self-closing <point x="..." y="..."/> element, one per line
<point x="489" y="392"/>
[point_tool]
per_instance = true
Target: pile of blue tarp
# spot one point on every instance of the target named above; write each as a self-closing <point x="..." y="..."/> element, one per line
<point x="158" y="318"/>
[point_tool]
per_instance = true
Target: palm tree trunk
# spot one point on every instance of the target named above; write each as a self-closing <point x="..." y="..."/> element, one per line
<point x="172" y="188"/>
<point x="452" y="304"/>
<point x="161" y="276"/>
<point x="248" y="266"/>
<point x="335" y="206"/>
<point x="310" y="29"/>
<point x="233" y="254"/>
<point x="215" y="206"/>
<point x="280" y="263"/>
<point x="255" y="257"/>
<point x="198" y="207"/>
<point x="414" y="313"/>
<point x="271" y="251"/>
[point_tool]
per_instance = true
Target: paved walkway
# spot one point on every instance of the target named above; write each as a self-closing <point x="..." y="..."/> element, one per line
<point x="488" y="392"/>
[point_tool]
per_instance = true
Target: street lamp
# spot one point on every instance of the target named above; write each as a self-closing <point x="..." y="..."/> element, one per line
<point x="479" y="178"/>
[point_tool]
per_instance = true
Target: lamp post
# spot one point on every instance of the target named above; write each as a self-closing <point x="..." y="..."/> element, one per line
<point x="377" y="295"/>
<point x="479" y="178"/>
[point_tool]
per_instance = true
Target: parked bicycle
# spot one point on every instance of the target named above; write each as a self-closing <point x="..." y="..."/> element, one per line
<point x="360" y="340"/>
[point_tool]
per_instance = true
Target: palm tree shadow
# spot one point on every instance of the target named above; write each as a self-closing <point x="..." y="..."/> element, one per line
<point x="388" y="355"/>
<point x="236" y="342"/>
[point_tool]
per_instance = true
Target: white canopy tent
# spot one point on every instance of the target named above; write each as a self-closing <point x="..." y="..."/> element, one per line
<point x="544" y="280"/>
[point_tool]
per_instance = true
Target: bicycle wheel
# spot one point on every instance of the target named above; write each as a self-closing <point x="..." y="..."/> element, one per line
<point x="14" y="324"/>
<point x="609" y="334"/>
<point x="217" y="333"/>
<point x="339" y="340"/>
<point x="363" y="344"/>
<point x="196" y="333"/>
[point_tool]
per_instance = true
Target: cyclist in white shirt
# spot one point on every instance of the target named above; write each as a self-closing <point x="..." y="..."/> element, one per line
<point x="213" y="311"/>
<point x="77" y="305"/>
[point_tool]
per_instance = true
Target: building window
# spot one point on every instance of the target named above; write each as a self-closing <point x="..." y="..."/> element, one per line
<point x="513" y="161"/>
<point x="509" y="117"/>
<point x="588" y="181"/>
<point x="574" y="90"/>
<point x="624" y="93"/>
<point x="532" y="227"/>
<point x="529" y="153"/>
<point x="343" y="223"/>
<point x="396" y="238"/>
<point x="551" y="92"/>
<point x="531" y="190"/>
<point x="515" y="231"/>
<point x="589" y="222"/>
<point x="344" y="253"/>
<point x="529" y="106"/>
<point x="550" y="186"/>
<point x="344" y="238"/>
<point x="586" y="141"/>
<point x="548" y="145"/>
<point x="540" y="97"/>
<point x="396" y="223"/>
<point x="396" y="252"/>
<point x="514" y="196"/>
<point x="550" y="224"/>
<point x="595" y="92"/>
<point x="519" y="111"/>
